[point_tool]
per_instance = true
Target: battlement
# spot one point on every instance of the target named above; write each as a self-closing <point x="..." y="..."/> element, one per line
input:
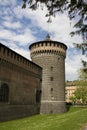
<point x="49" y="47"/>
<point x="10" y="56"/>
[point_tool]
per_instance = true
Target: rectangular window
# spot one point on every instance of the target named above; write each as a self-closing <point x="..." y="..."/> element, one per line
<point x="51" y="89"/>
<point x="51" y="68"/>
<point x="51" y="78"/>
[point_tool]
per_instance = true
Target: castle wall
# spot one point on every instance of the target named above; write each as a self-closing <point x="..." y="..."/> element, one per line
<point x="23" y="79"/>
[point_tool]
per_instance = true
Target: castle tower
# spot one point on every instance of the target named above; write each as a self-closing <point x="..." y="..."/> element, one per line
<point x="50" y="55"/>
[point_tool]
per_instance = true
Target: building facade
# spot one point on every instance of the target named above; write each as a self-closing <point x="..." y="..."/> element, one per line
<point x="50" y="55"/>
<point x="70" y="89"/>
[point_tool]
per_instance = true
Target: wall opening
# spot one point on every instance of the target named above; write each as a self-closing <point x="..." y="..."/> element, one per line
<point x="4" y="93"/>
<point x="38" y="96"/>
<point x="51" y="79"/>
<point x="51" y="68"/>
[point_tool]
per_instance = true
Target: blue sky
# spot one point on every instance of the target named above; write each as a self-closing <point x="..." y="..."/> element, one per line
<point x="21" y="27"/>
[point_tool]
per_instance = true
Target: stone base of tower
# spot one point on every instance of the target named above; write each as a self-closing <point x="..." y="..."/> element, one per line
<point x="52" y="107"/>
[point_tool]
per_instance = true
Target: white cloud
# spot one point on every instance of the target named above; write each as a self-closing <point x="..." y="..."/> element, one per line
<point x="23" y="52"/>
<point x="18" y="49"/>
<point x="23" y="38"/>
<point x="73" y="64"/>
<point x="8" y="2"/>
<point x="84" y="57"/>
<point x="12" y="25"/>
<point x="60" y="26"/>
<point x="21" y="27"/>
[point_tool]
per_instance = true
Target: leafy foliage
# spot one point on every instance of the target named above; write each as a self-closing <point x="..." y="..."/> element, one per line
<point x="76" y="8"/>
<point x="81" y="94"/>
<point x="82" y="46"/>
<point x="73" y="99"/>
<point x="83" y="73"/>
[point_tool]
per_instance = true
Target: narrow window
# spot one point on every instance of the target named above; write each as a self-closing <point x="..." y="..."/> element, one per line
<point x="51" y="68"/>
<point x="51" y="89"/>
<point x="51" y="78"/>
<point x="58" y="58"/>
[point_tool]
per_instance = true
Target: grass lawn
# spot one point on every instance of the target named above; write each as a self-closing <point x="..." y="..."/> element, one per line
<point x="72" y="120"/>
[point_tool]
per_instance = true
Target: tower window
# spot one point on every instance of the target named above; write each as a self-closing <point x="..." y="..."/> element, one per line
<point x="51" y="89"/>
<point x="51" y="68"/>
<point x="51" y="111"/>
<point x="58" y="58"/>
<point x="51" y="78"/>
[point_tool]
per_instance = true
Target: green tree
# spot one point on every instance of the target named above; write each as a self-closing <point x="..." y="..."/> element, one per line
<point x="82" y="47"/>
<point x="81" y="94"/>
<point x="75" y="8"/>
<point x="73" y="99"/>
<point x="83" y="73"/>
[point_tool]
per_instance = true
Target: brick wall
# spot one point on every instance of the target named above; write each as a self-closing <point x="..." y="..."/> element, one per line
<point x="23" y="79"/>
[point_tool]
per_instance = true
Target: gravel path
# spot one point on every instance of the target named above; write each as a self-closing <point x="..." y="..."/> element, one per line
<point x="85" y="127"/>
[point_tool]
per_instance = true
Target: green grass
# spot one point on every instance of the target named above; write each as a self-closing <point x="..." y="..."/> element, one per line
<point x="72" y="120"/>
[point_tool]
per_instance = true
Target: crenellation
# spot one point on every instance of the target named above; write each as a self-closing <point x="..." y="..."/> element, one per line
<point x="47" y="51"/>
<point x="48" y="43"/>
<point x="15" y="58"/>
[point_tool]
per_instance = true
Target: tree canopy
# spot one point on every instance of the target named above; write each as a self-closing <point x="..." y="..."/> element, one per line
<point x="75" y="8"/>
<point x="81" y="94"/>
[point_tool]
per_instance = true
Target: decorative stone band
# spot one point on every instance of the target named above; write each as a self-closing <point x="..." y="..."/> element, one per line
<point x="43" y="52"/>
<point x="48" y="47"/>
<point x="47" y="44"/>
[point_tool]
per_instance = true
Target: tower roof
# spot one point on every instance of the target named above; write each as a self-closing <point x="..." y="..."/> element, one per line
<point x="47" y="37"/>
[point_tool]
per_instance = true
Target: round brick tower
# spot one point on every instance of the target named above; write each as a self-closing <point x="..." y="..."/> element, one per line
<point x="50" y="55"/>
